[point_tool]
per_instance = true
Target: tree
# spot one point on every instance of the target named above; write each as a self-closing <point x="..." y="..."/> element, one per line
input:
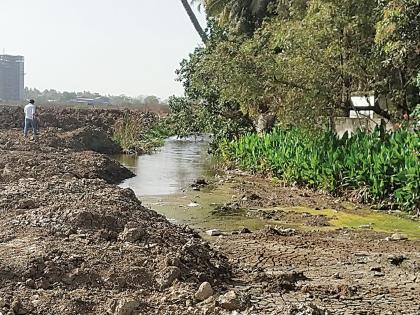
<point x="151" y="100"/>
<point x="397" y="38"/>
<point x="194" y="20"/>
<point x="306" y="59"/>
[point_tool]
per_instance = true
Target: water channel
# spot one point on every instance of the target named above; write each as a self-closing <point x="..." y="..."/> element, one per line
<point x="163" y="183"/>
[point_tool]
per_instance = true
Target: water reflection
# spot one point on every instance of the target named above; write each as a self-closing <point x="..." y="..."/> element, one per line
<point x="175" y="166"/>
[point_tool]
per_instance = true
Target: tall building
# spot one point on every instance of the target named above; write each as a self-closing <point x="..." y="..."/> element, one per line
<point x="12" y="78"/>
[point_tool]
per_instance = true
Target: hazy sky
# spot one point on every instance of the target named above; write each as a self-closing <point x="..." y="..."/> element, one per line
<point x="115" y="47"/>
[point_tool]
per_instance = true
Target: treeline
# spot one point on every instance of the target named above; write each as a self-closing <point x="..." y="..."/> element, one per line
<point x="57" y="97"/>
<point x="303" y="59"/>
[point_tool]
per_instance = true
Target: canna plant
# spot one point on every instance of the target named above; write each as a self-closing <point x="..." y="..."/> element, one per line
<point x="383" y="167"/>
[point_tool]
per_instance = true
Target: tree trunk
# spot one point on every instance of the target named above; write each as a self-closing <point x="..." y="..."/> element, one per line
<point x="194" y="20"/>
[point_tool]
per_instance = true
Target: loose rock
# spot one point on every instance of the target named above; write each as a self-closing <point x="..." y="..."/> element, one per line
<point x="169" y="275"/>
<point x="204" y="291"/>
<point x="125" y="307"/>
<point x="310" y="309"/>
<point x="213" y="232"/>
<point x="396" y="237"/>
<point x="230" y="301"/>
<point x="132" y="234"/>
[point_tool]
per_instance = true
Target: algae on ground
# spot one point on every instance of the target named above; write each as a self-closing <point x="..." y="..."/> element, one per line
<point x="377" y="221"/>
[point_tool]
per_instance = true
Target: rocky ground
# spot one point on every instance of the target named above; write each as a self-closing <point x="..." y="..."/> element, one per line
<point x="72" y="242"/>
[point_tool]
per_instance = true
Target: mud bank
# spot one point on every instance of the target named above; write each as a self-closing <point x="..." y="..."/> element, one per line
<point x="318" y="254"/>
<point x="345" y="272"/>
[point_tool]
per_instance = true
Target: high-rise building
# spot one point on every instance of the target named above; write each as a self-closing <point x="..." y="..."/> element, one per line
<point x="12" y="78"/>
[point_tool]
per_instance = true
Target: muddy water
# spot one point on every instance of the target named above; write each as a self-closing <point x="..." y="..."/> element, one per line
<point x="163" y="182"/>
<point x="170" y="170"/>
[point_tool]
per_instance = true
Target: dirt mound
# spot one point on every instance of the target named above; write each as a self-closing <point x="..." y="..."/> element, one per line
<point x="71" y="118"/>
<point x="73" y="243"/>
<point x="16" y="165"/>
<point x="88" y="138"/>
<point x="87" y="235"/>
<point x="53" y="139"/>
<point x="62" y="235"/>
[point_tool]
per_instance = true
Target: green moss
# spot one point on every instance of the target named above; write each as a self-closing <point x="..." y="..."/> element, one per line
<point x="380" y="222"/>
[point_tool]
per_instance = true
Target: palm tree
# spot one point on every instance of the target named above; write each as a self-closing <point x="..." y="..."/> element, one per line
<point x="194" y="20"/>
<point x="242" y="15"/>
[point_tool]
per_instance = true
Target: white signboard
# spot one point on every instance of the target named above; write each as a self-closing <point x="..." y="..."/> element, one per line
<point x="362" y="101"/>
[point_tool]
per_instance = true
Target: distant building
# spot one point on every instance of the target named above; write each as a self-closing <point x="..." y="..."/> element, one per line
<point x="12" y="78"/>
<point x="101" y="100"/>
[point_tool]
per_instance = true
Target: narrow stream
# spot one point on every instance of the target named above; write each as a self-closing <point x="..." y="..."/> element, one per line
<point x="163" y="183"/>
<point x="170" y="170"/>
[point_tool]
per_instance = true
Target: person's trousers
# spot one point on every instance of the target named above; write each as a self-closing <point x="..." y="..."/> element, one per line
<point x="29" y="123"/>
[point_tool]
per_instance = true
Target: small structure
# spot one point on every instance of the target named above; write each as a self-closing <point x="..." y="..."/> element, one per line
<point x="362" y="101"/>
<point x="100" y="100"/>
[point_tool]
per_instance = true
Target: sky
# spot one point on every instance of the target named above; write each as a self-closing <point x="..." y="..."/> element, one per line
<point x="130" y="47"/>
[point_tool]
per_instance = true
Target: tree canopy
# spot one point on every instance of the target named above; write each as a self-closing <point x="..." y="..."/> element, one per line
<point x="306" y="58"/>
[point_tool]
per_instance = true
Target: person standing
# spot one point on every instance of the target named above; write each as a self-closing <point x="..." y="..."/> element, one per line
<point x="29" y="111"/>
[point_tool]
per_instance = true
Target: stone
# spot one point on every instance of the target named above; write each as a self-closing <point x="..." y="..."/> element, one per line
<point x="2" y="302"/>
<point x="214" y="232"/>
<point x="169" y="275"/>
<point x="42" y="283"/>
<point x="204" y="291"/>
<point x="378" y="274"/>
<point x="245" y="231"/>
<point x="30" y="283"/>
<point x="309" y="309"/>
<point x="17" y="307"/>
<point x="132" y="234"/>
<point x="173" y="261"/>
<point x="125" y="306"/>
<point x="230" y="301"/>
<point x="193" y="205"/>
<point x="397" y="237"/>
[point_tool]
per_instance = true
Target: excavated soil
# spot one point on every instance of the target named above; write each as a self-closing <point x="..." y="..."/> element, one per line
<point x="71" y="242"/>
<point x="72" y="118"/>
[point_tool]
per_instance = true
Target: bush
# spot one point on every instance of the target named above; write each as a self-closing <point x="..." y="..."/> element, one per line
<point x="140" y="134"/>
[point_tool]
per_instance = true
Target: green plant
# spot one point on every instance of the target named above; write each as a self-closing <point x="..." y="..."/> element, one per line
<point x="380" y="166"/>
<point x="135" y="135"/>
